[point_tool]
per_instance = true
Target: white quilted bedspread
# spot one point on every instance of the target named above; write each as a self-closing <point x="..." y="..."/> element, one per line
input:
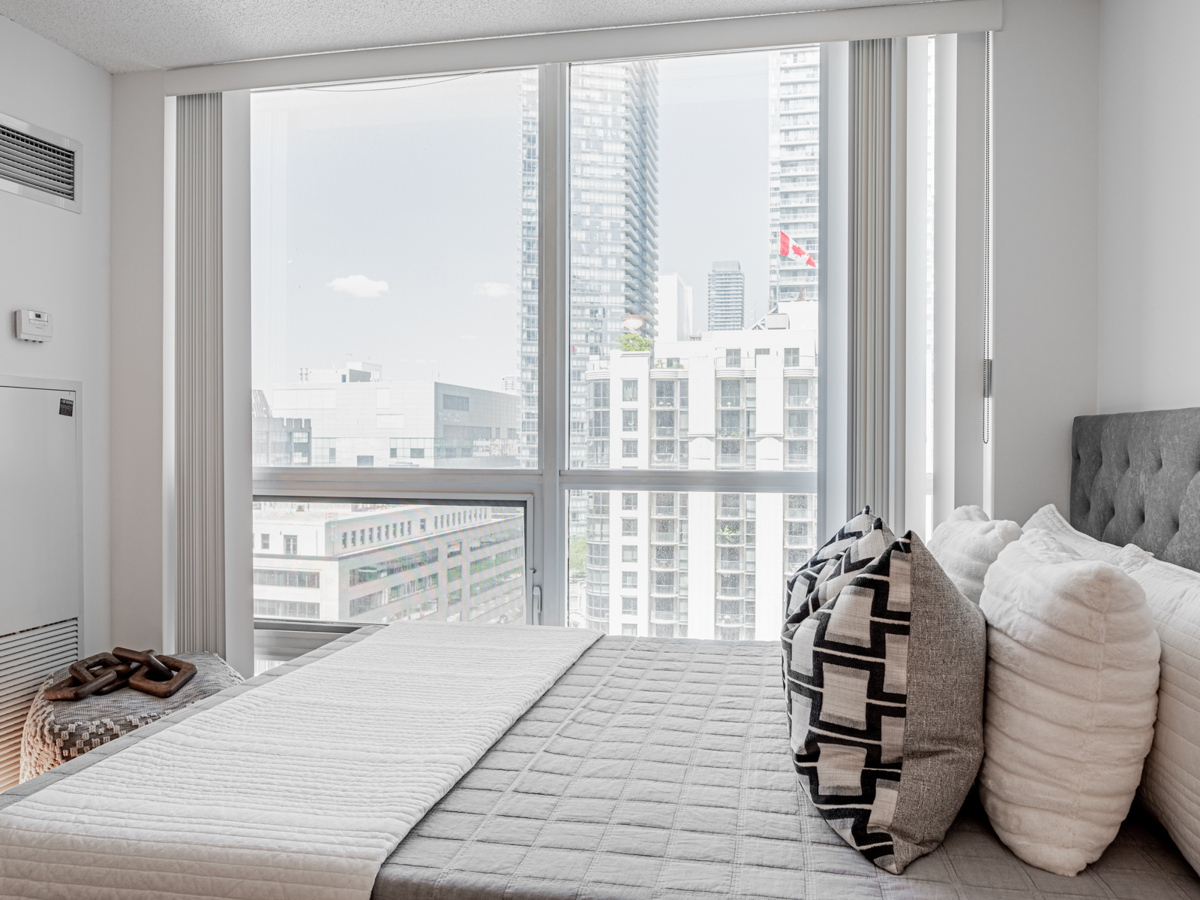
<point x="294" y="790"/>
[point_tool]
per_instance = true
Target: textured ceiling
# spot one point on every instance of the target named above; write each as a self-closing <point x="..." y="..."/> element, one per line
<point x="135" y="35"/>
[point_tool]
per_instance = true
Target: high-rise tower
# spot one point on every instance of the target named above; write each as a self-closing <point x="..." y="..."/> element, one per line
<point x="614" y="226"/>
<point x="527" y="382"/>
<point x="726" y="296"/>
<point x="794" y="91"/>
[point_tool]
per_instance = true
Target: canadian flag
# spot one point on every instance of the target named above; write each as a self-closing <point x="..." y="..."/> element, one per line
<point x="788" y="247"/>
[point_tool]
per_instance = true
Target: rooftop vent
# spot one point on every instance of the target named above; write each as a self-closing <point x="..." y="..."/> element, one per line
<point x="38" y="164"/>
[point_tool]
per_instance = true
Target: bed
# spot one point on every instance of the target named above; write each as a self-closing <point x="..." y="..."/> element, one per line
<point x="660" y="768"/>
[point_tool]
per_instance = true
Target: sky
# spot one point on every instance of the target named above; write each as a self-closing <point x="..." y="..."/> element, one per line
<point x="386" y="218"/>
<point x="713" y="174"/>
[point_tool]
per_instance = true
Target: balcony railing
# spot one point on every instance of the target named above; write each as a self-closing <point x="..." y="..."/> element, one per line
<point x="660" y="460"/>
<point x="798" y="433"/>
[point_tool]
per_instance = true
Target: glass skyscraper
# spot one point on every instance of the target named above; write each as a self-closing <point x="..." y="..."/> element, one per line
<point x="614" y="220"/>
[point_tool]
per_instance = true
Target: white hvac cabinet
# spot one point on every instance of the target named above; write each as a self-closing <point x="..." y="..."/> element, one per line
<point x="41" y="546"/>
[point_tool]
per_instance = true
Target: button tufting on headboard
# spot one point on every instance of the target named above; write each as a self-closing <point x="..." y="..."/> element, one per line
<point x="1130" y="477"/>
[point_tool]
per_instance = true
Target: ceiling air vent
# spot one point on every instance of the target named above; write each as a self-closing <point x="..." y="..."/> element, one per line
<point x="38" y="164"/>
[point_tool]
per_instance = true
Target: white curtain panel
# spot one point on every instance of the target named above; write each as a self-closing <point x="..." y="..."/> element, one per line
<point x="199" y="418"/>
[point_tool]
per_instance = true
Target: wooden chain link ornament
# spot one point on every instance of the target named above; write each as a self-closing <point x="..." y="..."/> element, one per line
<point x="155" y="674"/>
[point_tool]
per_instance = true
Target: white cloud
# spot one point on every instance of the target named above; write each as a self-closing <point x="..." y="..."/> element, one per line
<point x="495" y="289"/>
<point x="359" y="286"/>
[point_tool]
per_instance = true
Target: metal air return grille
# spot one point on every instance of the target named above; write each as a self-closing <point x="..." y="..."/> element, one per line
<point x="38" y="164"/>
<point x="26" y="658"/>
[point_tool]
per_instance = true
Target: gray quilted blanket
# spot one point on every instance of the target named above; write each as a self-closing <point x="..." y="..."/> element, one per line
<point x="660" y="769"/>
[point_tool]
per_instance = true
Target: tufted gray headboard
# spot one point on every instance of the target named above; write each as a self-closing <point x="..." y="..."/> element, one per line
<point x="1135" y="479"/>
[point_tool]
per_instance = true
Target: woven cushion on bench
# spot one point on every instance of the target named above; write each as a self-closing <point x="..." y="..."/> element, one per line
<point x="58" y="730"/>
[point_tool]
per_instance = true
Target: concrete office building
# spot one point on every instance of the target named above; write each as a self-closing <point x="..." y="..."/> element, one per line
<point x="278" y="441"/>
<point x="351" y="417"/>
<point x="726" y="296"/>
<point x="388" y="562"/>
<point x="694" y="564"/>
<point x="794" y="99"/>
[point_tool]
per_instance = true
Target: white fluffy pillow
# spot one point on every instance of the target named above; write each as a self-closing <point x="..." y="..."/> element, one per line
<point x="967" y="544"/>
<point x="1071" y="700"/>
<point x="1171" y="782"/>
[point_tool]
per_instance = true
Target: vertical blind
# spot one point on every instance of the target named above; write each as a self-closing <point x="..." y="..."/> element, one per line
<point x="876" y="286"/>
<point x="199" y="383"/>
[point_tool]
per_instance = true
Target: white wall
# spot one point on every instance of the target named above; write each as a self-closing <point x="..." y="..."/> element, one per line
<point x="59" y="261"/>
<point x="1044" y="205"/>
<point x="142" y="353"/>
<point x="1149" y="285"/>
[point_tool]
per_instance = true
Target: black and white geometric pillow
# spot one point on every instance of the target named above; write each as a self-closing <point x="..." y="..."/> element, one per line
<point x="813" y="574"/>
<point x="888" y="781"/>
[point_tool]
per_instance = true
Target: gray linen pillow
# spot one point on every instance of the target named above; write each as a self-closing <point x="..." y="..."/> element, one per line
<point x="884" y="667"/>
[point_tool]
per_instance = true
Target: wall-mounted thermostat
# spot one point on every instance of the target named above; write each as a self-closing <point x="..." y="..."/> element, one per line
<point x="32" y="325"/>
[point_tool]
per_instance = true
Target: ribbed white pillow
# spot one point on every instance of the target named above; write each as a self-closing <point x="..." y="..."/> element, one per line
<point x="1071" y="700"/>
<point x="967" y="544"/>
<point x="1048" y="518"/>
<point x="1171" y="781"/>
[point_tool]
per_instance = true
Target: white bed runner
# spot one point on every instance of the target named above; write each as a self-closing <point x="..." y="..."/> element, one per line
<point x="297" y="789"/>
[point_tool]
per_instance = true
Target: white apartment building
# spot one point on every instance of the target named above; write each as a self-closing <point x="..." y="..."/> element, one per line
<point x="794" y="98"/>
<point x="354" y="418"/>
<point x="673" y="564"/>
<point x="364" y="563"/>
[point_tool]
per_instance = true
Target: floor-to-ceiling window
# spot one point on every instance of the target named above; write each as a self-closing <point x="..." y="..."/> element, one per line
<point x="491" y="388"/>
